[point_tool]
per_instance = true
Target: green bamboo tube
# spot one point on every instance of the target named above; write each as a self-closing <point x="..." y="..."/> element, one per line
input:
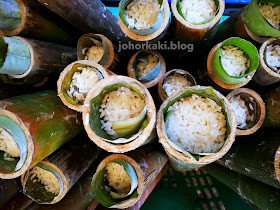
<point x="141" y="129"/>
<point x="256" y="156"/>
<point x="261" y="195"/>
<point x="31" y="19"/>
<point x="254" y="100"/>
<point x="39" y="124"/>
<point x="272" y="104"/>
<point x="181" y="159"/>
<point x="67" y="164"/>
<point x="265" y="75"/>
<point x="30" y="61"/>
<point x="8" y="190"/>
<point x="145" y="164"/>
<point x="195" y="33"/>
<point x="153" y="77"/>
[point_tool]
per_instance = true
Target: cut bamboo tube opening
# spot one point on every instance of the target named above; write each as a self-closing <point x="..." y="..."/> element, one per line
<point x="277" y="164"/>
<point x="10" y="15"/>
<point x="251" y="98"/>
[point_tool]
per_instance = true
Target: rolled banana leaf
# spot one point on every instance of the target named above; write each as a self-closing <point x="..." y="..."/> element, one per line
<point x="142" y="166"/>
<point x="30" y="19"/>
<point x="151" y="78"/>
<point x="133" y="132"/>
<point x="162" y="93"/>
<point x="265" y="75"/>
<point x="155" y="32"/>
<point x="261" y="195"/>
<point x="66" y="77"/>
<point x="256" y="108"/>
<point x="8" y="190"/>
<point x="39" y="124"/>
<point x="181" y="159"/>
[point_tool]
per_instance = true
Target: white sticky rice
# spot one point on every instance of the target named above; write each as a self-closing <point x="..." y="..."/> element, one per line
<point x="271" y="13"/>
<point x="142" y="69"/>
<point x="94" y="53"/>
<point x="272" y="55"/>
<point x="197" y="125"/>
<point x="119" y="105"/>
<point x="234" y="61"/>
<point x="174" y="83"/>
<point x="82" y="82"/>
<point x="8" y="145"/>
<point x="141" y="14"/>
<point x="198" y="11"/>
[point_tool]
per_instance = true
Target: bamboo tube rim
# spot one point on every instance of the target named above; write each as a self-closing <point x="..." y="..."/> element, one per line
<point x="162" y="68"/>
<point x="202" y="160"/>
<point x="140" y="177"/>
<point x="277" y="164"/>
<point x="160" y="89"/>
<point x="65" y="73"/>
<point x="216" y="80"/>
<point x="30" y="145"/>
<point x="260" y="109"/>
<point x="155" y="34"/>
<point x="151" y="112"/>
<point x="65" y="184"/>
<point x="207" y="25"/>
<point x="256" y="38"/>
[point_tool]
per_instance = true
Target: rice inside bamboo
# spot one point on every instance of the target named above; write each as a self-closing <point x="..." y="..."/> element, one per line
<point x="8" y="145"/>
<point x="198" y="11"/>
<point x="272" y="57"/>
<point x="234" y="61"/>
<point x="94" y="53"/>
<point x="197" y="125"/>
<point x="271" y="13"/>
<point x="142" y="69"/>
<point x="141" y="14"/>
<point x="175" y="82"/>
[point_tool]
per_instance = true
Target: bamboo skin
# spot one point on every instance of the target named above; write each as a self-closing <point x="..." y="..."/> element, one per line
<point x="162" y="68"/>
<point x="272" y="103"/>
<point x="8" y="190"/>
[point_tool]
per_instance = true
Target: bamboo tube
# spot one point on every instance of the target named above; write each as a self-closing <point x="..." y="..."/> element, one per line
<point x="8" y="190"/>
<point x="31" y="19"/>
<point x="8" y="91"/>
<point x="272" y="105"/>
<point x="181" y="159"/>
<point x="162" y="94"/>
<point x="110" y="59"/>
<point x="69" y="163"/>
<point x="39" y="124"/>
<point x="153" y="77"/>
<point x="84" y="15"/>
<point x="256" y="157"/>
<point x="66" y="77"/>
<point x="152" y="34"/>
<point x="266" y="75"/>
<point x="253" y="99"/>
<point x="32" y="61"/>
<point x="91" y="116"/>
<point x="261" y="195"/>
<point x="195" y="33"/>
<point x="147" y="163"/>
<point x="20" y="202"/>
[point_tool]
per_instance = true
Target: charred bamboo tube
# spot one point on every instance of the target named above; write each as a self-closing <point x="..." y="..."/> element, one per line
<point x="195" y="33"/>
<point x="272" y="104"/>
<point x="32" y="61"/>
<point x="192" y="156"/>
<point x="255" y="108"/>
<point x="100" y="49"/>
<point x="256" y="157"/>
<point x="31" y="19"/>
<point x="147" y="66"/>
<point x="8" y="190"/>
<point x="87" y="18"/>
<point x="73" y="94"/>
<point x="66" y="164"/>
<point x="217" y="72"/>
<point x="187" y="78"/>
<point x="8" y="91"/>
<point x="144" y="33"/>
<point x="266" y="74"/>
<point x="261" y="195"/>
<point x="127" y="134"/>
<point x="20" y="202"/>
<point x="37" y="125"/>
<point x="141" y="166"/>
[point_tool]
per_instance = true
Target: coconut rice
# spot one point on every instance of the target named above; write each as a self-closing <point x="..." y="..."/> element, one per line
<point x="142" y="69"/>
<point x="8" y="145"/>
<point x="198" y="11"/>
<point x="175" y="83"/>
<point x="241" y="111"/>
<point x="141" y="14"/>
<point x="197" y="125"/>
<point x="94" y="53"/>
<point x="271" y="13"/>
<point x="234" y="61"/>
<point x="82" y="82"/>
<point x="46" y="178"/>
<point x="121" y="104"/>
<point x="117" y="178"/>
<point x="272" y="55"/>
